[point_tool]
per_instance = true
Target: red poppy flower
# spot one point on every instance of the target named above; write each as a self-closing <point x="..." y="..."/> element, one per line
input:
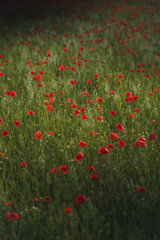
<point x="144" y="190"/>
<point x="90" y="168"/>
<point x="7" y="93"/>
<point x="109" y="146"/>
<point x="95" y="177"/>
<point x="112" y="113"/>
<point x="128" y="94"/>
<point x="84" y="116"/>
<point x="38" y="135"/>
<point x="79" y="157"/>
<point x="23" y="164"/>
<point x="119" y="127"/>
<point x="68" y="210"/>
<point x="148" y="76"/>
<point x="99" y="118"/>
<point x="84" y="93"/>
<point x="1" y="74"/>
<point x="16" y="123"/>
<point x="131" y="115"/>
<point x="73" y="68"/>
<point x="88" y="82"/>
<point x="76" y="112"/>
<point x="51" y="100"/>
<point x="73" y="105"/>
<point x="47" y="199"/>
<point x="82" y="144"/>
<point x="30" y="112"/>
<point x="12" y="216"/>
<point x="98" y="99"/>
<point x="82" y="109"/>
<point x="137" y="110"/>
<point x="72" y="82"/>
<point x="53" y="170"/>
<point x="113" y="136"/>
<point x="69" y="100"/>
<point x="5" y="133"/>
<point x="36" y="199"/>
<point x="152" y="136"/>
<point x="103" y="150"/>
<point x="63" y="169"/>
<point x="139" y="189"/>
<point x="121" y="143"/>
<point x="132" y="51"/>
<point x="50" y="133"/>
<point x="152" y="122"/>
<point x="120" y="75"/>
<point x="8" y="204"/>
<point x="13" y="94"/>
<point x="91" y="132"/>
<point x="49" y="108"/>
<point x="80" y="199"/>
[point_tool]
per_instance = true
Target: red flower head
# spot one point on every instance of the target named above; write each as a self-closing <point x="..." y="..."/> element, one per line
<point x="72" y="82"/>
<point x="84" y="117"/>
<point x="68" y="210"/>
<point x="109" y="146"/>
<point x="84" y="93"/>
<point x="95" y="75"/>
<point x="103" y="150"/>
<point x="119" y="127"/>
<point x="80" y="199"/>
<point x="148" y="76"/>
<point x="38" y="135"/>
<point x="88" y="82"/>
<point x="5" y="133"/>
<point x="79" y="157"/>
<point x="63" y="169"/>
<point x="112" y="113"/>
<point x="95" y="177"/>
<point x="13" y="94"/>
<point x="120" y="75"/>
<point x="49" y="108"/>
<point x="82" y="144"/>
<point x="69" y="100"/>
<point x="121" y="143"/>
<point x="1" y="74"/>
<point x="47" y="199"/>
<point x="7" y="93"/>
<point x="99" y="118"/>
<point x="82" y="109"/>
<point x="30" y="112"/>
<point x="76" y="112"/>
<point x="36" y="199"/>
<point x="50" y="133"/>
<point x="139" y="189"/>
<point x="98" y="99"/>
<point x="16" y="123"/>
<point x="137" y="110"/>
<point x="131" y="115"/>
<point x="152" y="136"/>
<point x="53" y="170"/>
<point x="113" y="136"/>
<point x="90" y="168"/>
<point x="73" y="105"/>
<point x="23" y="164"/>
<point x="12" y="216"/>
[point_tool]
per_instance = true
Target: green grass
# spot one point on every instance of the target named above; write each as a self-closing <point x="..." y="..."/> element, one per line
<point x="114" y="210"/>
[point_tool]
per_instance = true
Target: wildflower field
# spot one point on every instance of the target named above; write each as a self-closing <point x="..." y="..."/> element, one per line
<point x="80" y="120"/>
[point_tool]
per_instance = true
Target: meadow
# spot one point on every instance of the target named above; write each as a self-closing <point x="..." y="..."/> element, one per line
<point x="80" y="121"/>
